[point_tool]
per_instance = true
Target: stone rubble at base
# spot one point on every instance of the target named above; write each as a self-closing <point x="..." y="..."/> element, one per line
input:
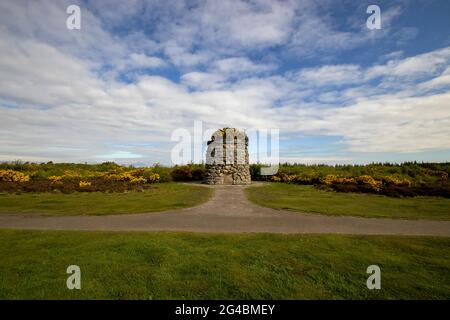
<point x="227" y="174"/>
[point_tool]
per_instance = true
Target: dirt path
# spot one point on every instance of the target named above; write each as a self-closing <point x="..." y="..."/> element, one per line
<point x="229" y="211"/>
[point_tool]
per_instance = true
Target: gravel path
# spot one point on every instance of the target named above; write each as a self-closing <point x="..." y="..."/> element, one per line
<point x="229" y="211"/>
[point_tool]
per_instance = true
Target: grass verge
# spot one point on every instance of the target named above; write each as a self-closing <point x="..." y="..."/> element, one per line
<point x="164" y="196"/>
<point x="309" y="199"/>
<point x="120" y="265"/>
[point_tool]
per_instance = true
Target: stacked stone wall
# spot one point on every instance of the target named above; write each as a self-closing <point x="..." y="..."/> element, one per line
<point x="227" y="159"/>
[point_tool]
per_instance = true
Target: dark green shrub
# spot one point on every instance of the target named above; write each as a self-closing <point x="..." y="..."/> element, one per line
<point x="188" y="173"/>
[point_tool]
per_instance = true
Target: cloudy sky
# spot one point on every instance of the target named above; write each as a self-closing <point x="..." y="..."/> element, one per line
<point x="138" y="70"/>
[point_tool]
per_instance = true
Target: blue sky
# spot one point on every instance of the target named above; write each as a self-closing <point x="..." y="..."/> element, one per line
<point x="138" y="70"/>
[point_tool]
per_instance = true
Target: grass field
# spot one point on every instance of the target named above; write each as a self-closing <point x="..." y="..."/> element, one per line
<point x="163" y="196"/>
<point x="308" y="199"/>
<point x="196" y="266"/>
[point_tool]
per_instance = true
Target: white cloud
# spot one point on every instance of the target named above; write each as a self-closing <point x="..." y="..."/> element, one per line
<point x="28" y="66"/>
<point x="94" y="113"/>
<point x="119" y="155"/>
<point x="139" y="60"/>
<point x="425" y="64"/>
<point x="240" y="65"/>
<point x="316" y="32"/>
<point x="330" y="75"/>
<point x="203" y="80"/>
<point x="57" y="103"/>
<point x="436" y="83"/>
<point x="184" y="57"/>
<point x="390" y="124"/>
<point x="317" y="160"/>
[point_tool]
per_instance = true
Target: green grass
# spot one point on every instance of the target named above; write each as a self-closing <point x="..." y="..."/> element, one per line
<point x="308" y="199"/>
<point x="163" y="196"/>
<point x="198" y="266"/>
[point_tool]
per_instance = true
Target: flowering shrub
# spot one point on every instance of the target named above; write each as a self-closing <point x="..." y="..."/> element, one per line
<point x="329" y="179"/>
<point x="55" y="179"/>
<point x="127" y="176"/>
<point x="365" y="182"/>
<point x="396" y="181"/>
<point x="347" y="181"/>
<point x="153" y="178"/>
<point x="70" y="175"/>
<point x="293" y="178"/>
<point x="332" y="179"/>
<point x="137" y="180"/>
<point x="393" y="185"/>
<point x="275" y="179"/>
<point x="13" y="176"/>
<point x="289" y="178"/>
<point x="84" y="184"/>
<point x="67" y="176"/>
<point x="286" y="178"/>
<point x="134" y="176"/>
<point x="369" y="182"/>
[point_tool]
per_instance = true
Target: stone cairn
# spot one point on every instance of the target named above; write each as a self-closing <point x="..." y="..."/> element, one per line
<point x="227" y="158"/>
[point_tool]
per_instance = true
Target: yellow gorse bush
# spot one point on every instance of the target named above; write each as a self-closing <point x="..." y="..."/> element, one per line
<point x="71" y="175"/>
<point x="333" y="179"/>
<point x="289" y="178"/>
<point x="375" y="184"/>
<point x="67" y="176"/>
<point x="329" y="179"/>
<point x="286" y="178"/>
<point x="369" y="181"/>
<point x="13" y="176"/>
<point x="134" y="176"/>
<point x="84" y="184"/>
<point x="55" y="179"/>
<point x="293" y="178"/>
<point x="153" y="178"/>
<point x="275" y="179"/>
<point x="126" y="176"/>
<point x="396" y="181"/>
<point x="137" y="180"/>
